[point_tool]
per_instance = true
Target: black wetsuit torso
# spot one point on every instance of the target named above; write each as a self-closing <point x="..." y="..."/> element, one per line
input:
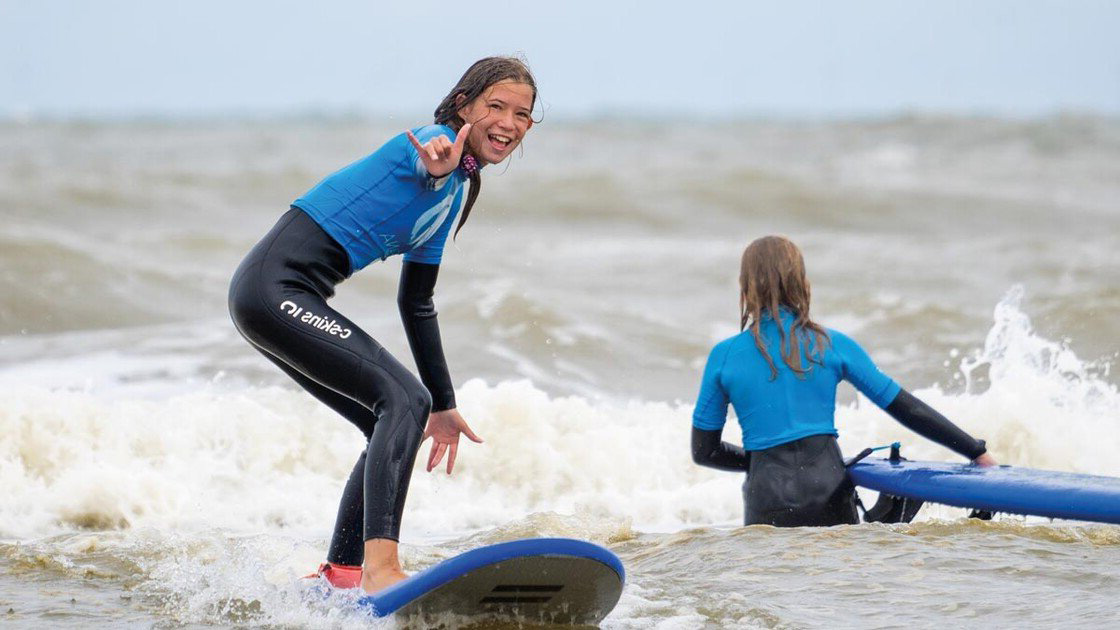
<point x="278" y="301"/>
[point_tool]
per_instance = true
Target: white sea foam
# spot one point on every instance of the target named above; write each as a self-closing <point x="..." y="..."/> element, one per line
<point x="272" y="459"/>
<point x="1034" y="401"/>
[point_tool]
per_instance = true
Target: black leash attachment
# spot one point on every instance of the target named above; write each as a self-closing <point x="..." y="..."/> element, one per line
<point x="889" y="508"/>
<point x="895" y="456"/>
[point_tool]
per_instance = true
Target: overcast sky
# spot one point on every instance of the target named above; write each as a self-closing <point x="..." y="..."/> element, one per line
<point x="1017" y="57"/>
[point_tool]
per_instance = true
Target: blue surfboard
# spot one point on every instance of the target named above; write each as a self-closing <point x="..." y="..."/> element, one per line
<point x="1008" y="489"/>
<point x="537" y="580"/>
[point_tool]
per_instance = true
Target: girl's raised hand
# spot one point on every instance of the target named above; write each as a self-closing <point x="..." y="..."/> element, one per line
<point x="439" y="155"/>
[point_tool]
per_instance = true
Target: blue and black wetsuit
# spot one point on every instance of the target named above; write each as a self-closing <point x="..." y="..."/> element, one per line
<point x="379" y="206"/>
<point x="797" y="476"/>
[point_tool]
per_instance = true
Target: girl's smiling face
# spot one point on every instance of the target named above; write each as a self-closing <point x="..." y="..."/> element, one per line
<point x="501" y="116"/>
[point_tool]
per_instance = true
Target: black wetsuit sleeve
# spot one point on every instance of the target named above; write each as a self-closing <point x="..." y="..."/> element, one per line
<point x="925" y="421"/>
<point x="709" y="450"/>
<point x="418" y="313"/>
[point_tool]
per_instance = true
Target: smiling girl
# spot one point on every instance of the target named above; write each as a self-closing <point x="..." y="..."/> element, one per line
<point x="401" y="199"/>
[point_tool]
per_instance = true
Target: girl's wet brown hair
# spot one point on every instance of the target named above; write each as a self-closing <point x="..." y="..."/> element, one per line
<point x="772" y="276"/>
<point x="480" y="76"/>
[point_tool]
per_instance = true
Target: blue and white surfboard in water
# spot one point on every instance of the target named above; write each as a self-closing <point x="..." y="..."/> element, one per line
<point x="537" y="580"/>
<point x="1009" y="489"/>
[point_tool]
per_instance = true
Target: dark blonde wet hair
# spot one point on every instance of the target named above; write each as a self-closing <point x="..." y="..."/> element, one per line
<point x="772" y="276"/>
<point x="480" y="76"/>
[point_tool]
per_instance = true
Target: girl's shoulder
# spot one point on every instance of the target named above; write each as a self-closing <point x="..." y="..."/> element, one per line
<point x="843" y="344"/>
<point x="734" y="343"/>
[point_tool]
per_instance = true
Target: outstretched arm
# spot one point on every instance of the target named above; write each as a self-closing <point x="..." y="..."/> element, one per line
<point x="927" y="422"/>
<point x="914" y="414"/>
<point x="709" y="450"/>
<point x="418" y="313"/>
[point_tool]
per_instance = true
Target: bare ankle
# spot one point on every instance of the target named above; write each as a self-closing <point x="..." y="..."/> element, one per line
<point x="381" y="553"/>
<point x="382" y="566"/>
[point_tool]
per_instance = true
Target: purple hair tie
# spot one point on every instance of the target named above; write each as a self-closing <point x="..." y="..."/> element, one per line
<point x="469" y="164"/>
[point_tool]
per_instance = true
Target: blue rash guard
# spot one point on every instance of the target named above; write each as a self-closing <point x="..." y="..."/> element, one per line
<point x="788" y="408"/>
<point x="386" y="203"/>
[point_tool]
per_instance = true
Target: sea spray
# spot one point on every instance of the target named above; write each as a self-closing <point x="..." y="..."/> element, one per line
<point x="1034" y="401"/>
<point x="272" y="458"/>
<point x="249" y="459"/>
<point x="264" y="459"/>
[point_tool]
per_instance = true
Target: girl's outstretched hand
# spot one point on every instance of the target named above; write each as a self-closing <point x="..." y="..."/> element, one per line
<point x="444" y="428"/>
<point x="439" y="155"/>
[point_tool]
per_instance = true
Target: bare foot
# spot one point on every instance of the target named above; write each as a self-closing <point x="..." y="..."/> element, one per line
<point x="382" y="567"/>
<point x="374" y="581"/>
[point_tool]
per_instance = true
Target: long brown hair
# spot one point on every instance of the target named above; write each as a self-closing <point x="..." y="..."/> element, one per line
<point x="772" y="276"/>
<point x="480" y="76"/>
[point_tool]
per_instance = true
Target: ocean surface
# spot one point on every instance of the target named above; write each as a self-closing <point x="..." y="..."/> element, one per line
<point x="156" y="472"/>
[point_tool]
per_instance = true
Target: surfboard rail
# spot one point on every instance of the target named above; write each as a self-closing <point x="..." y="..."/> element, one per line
<point x="1010" y="489"/>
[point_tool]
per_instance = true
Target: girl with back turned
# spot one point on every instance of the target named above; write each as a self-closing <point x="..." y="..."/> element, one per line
<point x="401" y="199"/>
<point x="780" y="374"/>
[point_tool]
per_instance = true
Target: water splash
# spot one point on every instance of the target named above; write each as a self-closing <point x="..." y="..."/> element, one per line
<point x="1035" y="402"/>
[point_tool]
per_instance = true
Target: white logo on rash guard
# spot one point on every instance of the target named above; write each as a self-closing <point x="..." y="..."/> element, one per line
<point x="324" y="324"/>
<point x="432" y="219"/>
<point x="429" y="222"/>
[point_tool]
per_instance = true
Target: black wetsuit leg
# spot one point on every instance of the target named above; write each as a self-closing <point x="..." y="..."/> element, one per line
<point x="278" y="302"/>
<point x="348" y="540"/>
<point x="799" y="483"/>
<point x="346" y="546"/>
